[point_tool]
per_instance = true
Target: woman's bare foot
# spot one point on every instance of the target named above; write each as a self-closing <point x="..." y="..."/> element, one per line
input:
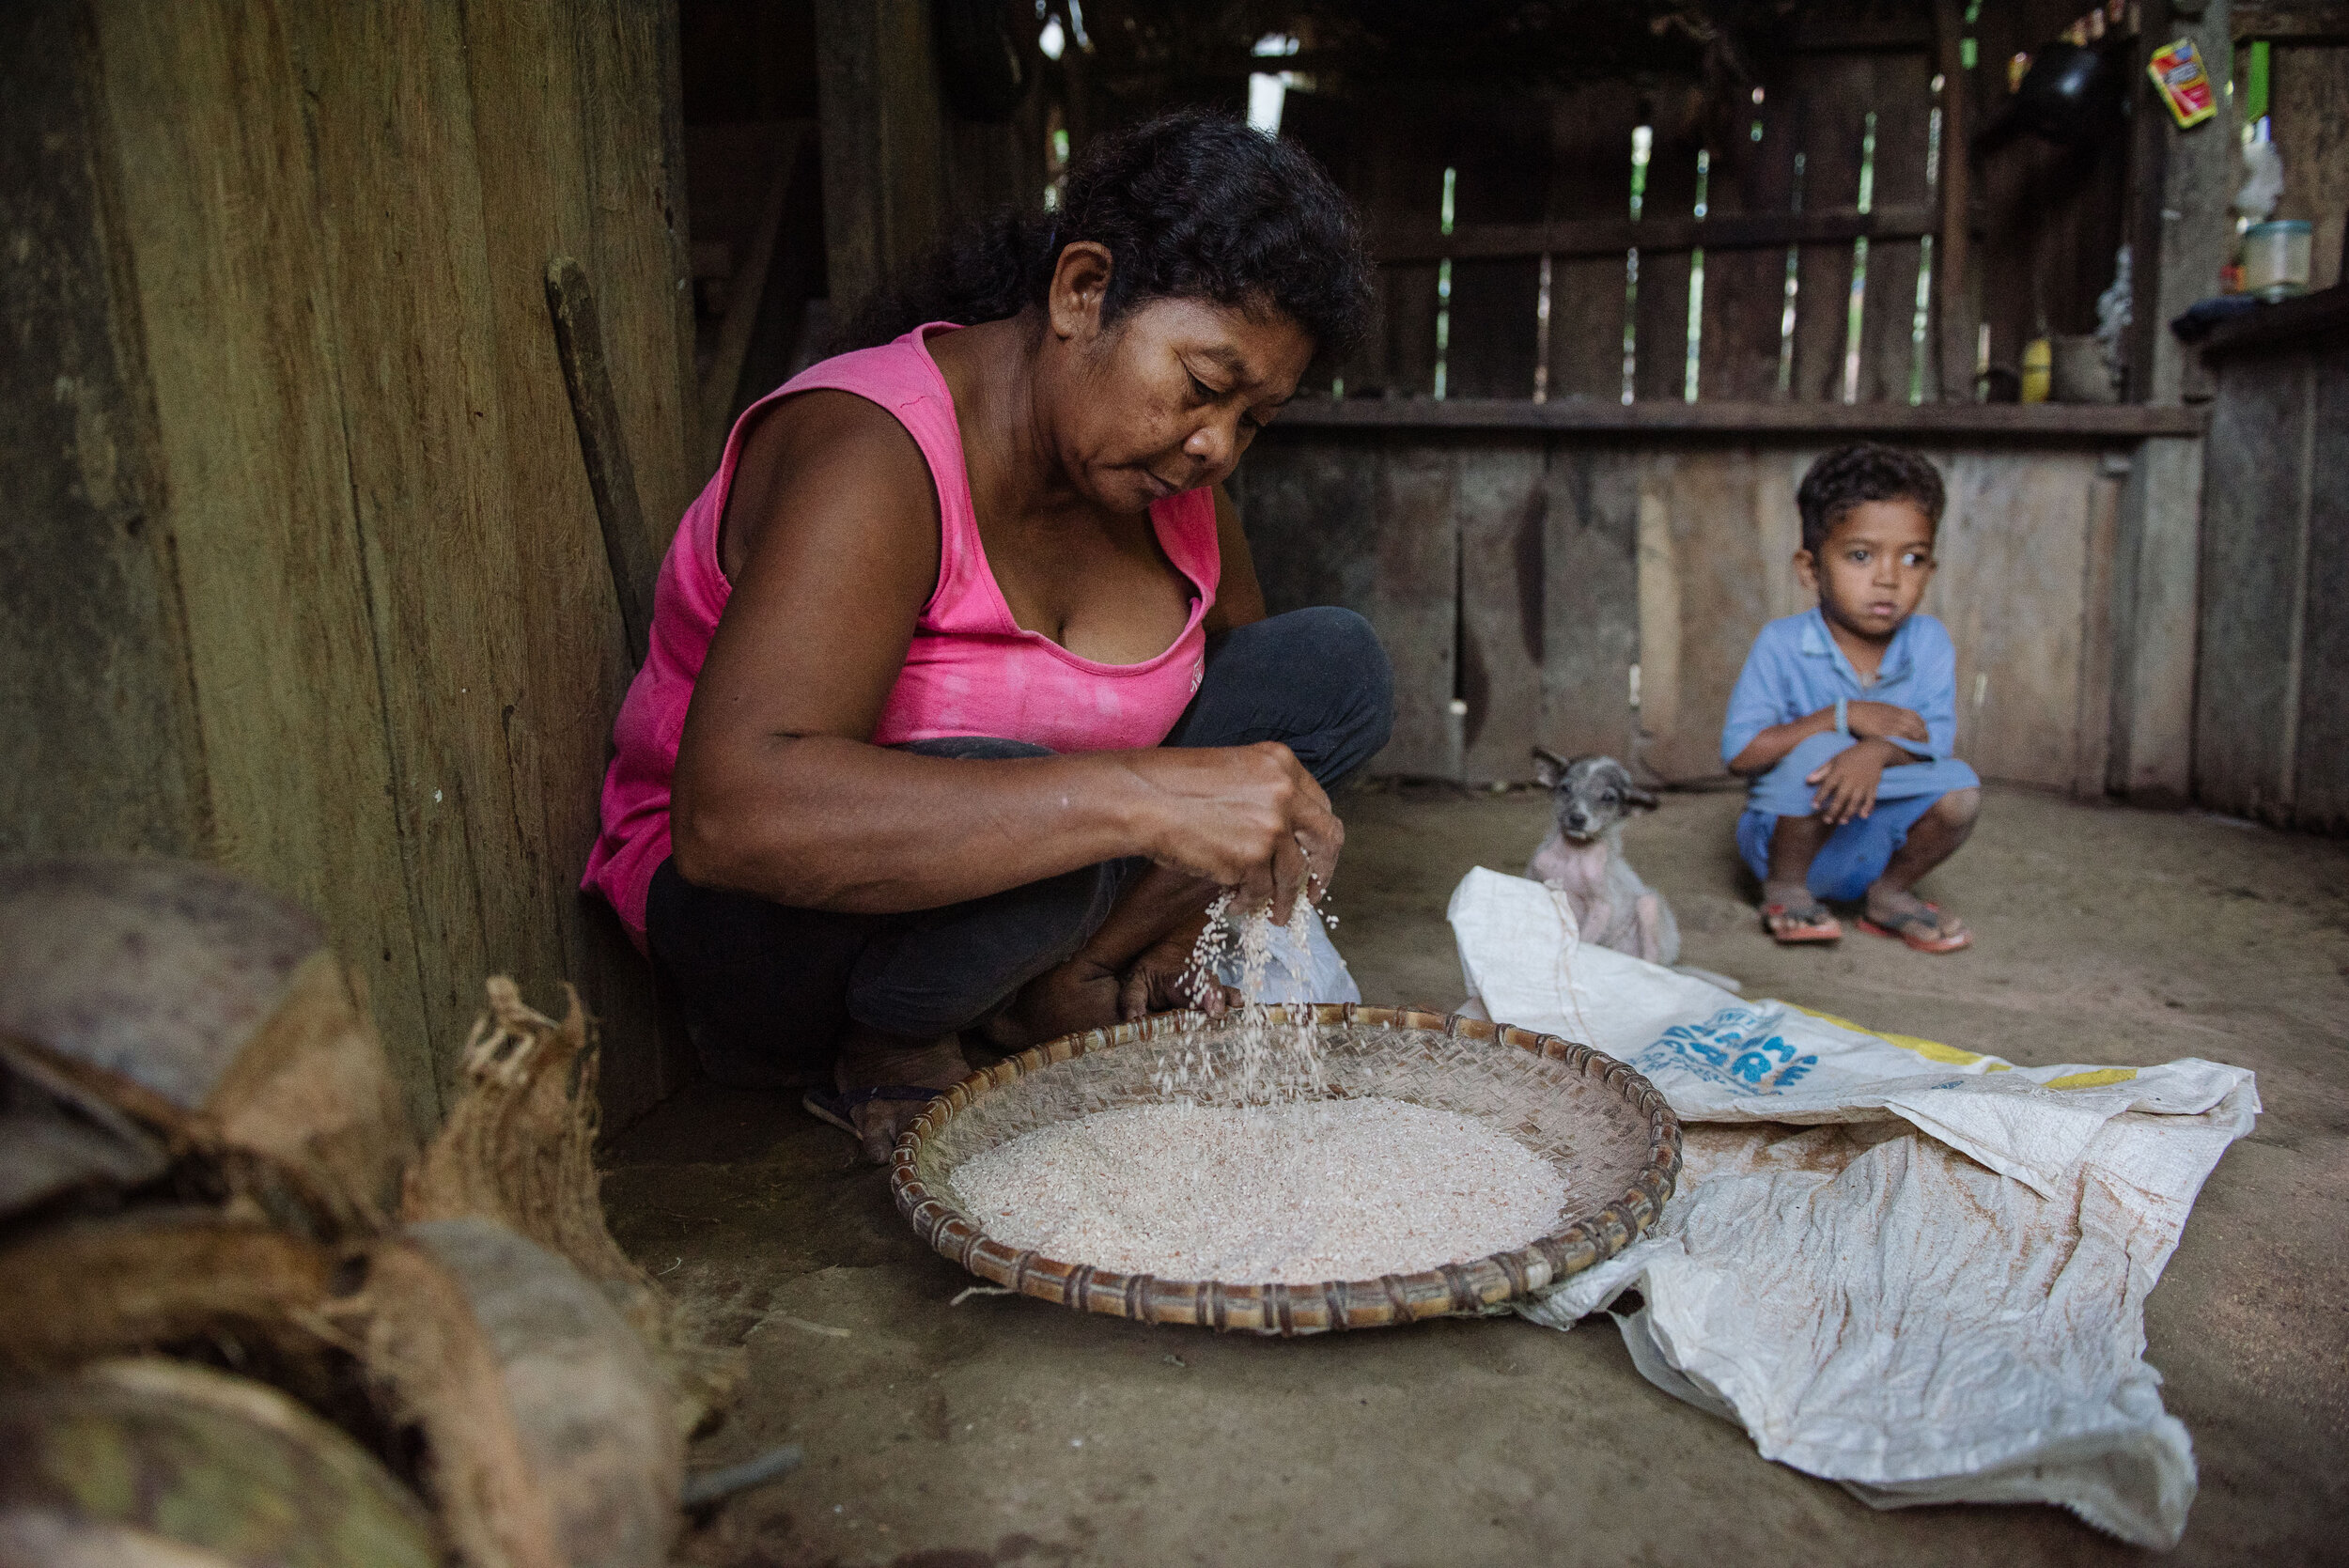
<point x="869" y="1058"/>
<point x="1068" y="998"/>
<point x="1083" y="994"/>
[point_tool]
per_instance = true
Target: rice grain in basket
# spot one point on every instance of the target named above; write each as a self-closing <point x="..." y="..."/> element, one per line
<point x="1279" y="1185"/>
<point x="1296" y="1192"/>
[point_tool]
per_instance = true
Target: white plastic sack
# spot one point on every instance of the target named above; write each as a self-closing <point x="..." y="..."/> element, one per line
<point x="1315" y="974"/>
<point x="1931" y="1286"/>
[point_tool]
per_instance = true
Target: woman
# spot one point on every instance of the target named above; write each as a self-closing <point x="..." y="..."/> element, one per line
<point x="963" y="702"/>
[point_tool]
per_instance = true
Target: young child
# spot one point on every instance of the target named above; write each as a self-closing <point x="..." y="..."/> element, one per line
<point x="1843" y="716"/>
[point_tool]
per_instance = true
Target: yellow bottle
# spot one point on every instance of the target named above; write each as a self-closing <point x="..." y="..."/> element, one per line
<point x="2038" y="369"/>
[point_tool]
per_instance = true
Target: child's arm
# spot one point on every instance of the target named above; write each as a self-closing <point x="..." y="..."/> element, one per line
<point x="1848" y="781"/>
<point x="1758" y="731"/>
<point x="1935" y="658"/>
<point x="1882" y="724"/>
<point x="1769" y="747"/>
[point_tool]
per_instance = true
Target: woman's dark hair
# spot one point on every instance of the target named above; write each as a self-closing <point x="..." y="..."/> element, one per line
<point x="1193" y="205"/>
<point x="1863" y="471"/>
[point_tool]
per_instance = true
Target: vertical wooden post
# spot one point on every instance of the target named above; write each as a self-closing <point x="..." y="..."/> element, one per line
<point x="2186" y="182"/>
<point x="883" y="142"/>
<point x="665" y="26"/>
<point x="2093" y="730"/>
<point x="603" y="442"/>
<point x="2148" y="148"/>
<point x="98" y="706"/>
<point x="1953" y="260"/>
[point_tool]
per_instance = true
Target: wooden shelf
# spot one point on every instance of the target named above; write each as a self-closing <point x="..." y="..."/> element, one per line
<point x="2005" y="421"/>
<point x="2288" y="325"/>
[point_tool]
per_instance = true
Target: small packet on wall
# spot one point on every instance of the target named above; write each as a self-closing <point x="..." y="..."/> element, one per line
<point x="2177" y="70"/>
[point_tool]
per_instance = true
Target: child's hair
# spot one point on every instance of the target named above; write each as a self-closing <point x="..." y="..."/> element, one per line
<point x="1852" y="475"/>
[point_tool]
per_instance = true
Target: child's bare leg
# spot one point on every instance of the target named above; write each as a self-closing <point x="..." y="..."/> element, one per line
<point x="1794" y="844"/>
<point x="1934" y="839"/>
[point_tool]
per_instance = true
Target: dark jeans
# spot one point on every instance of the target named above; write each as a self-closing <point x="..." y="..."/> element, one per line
<point x="766" y="987"/>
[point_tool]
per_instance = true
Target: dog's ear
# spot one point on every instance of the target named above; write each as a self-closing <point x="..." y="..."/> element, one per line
<point x="1643" y="799"/>
<point x="1548" y="769"/>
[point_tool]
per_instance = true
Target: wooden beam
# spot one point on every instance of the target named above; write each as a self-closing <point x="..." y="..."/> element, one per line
<point x="98" y="704"/>
<point x="1847" y="29"/>
<point x="1614" y="236"/>
<point x="2291" y="20"/>
<point x="2182" y="234"/>
<point x="1952" y="260"/>
<point x="746" y="290"/>
<point x="2074" y="421"/>
<point x="2091" y="728"/>
<point x="604" y="444"/>
<point x="883" y="142"/>
<point x="2289" y="324"/>
<point x="2150" y="132"/>
<point x="2184" y="220"/>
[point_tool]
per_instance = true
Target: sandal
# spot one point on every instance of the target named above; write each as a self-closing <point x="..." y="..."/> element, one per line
<point x="838" y="1107"/>
<point x="1790" y="925"/>
<point x="1921" y="929"/>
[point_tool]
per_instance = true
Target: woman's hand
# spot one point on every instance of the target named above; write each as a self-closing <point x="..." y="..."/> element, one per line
<point x="1847" y="781"/>
<point x="1246" y="817"/>
<point x="1885" y="722"/>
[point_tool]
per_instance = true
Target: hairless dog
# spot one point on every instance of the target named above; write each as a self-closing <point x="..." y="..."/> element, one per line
<point x="1582" y="857"/>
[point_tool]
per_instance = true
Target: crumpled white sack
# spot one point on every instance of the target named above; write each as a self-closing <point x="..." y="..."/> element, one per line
<point x="1316" y="974"/>
<point x="1931" y="1288"/>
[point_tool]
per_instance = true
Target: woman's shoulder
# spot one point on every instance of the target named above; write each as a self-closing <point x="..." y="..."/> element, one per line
<point x="835" y="433"/>
<point x="889" y="397"/>
<point x="889" y="373"/>
<point x="826" y="457"/>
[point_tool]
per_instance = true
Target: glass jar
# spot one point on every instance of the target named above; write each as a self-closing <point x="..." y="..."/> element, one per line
<point x="2276" y="258"/>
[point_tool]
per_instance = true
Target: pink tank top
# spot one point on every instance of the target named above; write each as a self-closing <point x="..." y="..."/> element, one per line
<point x="971" y="669"/>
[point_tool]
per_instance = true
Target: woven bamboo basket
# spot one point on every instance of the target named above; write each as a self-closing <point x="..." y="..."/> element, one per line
<point x="1603" y="1126"/>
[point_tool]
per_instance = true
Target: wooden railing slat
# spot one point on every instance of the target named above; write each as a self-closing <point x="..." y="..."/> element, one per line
<point x="1614" y="236"/>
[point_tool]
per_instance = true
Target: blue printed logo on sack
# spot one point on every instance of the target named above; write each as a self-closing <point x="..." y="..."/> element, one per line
<point x="1725" y="1050"/>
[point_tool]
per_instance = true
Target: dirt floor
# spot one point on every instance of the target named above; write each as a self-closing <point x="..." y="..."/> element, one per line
<point x="1007" y="1431"/>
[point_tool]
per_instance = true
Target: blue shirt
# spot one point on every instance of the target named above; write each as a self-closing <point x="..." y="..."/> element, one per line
<point x="1795" y="669"/>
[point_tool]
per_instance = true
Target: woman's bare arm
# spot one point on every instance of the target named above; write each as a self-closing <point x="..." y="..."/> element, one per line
<point x="834" y="529"/>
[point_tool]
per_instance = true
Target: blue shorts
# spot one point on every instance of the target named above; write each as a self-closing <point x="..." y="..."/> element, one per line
<point x="1856" y="853"/>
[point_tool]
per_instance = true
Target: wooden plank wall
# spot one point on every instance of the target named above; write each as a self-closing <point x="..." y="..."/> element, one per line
<point x="1578" y="557"/>
<point x="902" y="168"/>
<point x="1518" y="579"/>
<point x="96" y="702"/>
<point x="2271" y="735"/>
<point x="2309" y="111"/>
<point x="379" y="563"/>
<point x="1827" y="162"/>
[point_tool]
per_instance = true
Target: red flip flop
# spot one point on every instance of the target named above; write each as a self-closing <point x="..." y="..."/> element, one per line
<point x="1918" y="931"/>
<point x="1811" y="924"/>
